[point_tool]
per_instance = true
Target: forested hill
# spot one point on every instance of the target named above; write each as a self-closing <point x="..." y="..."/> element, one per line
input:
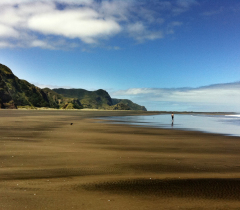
<point x="99" y="99"/>
<point x="129" y="103"/>
<point x="17" y="93"/>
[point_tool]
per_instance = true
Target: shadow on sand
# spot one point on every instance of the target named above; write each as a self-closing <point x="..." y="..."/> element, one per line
<point x="226" y="189"/>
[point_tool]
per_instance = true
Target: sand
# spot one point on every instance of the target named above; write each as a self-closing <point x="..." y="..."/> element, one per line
<point x="47" y="163"/>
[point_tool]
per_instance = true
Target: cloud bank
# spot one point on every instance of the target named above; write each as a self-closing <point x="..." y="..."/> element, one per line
<point x="219" y="97"/>
<point x="56" y="24"/>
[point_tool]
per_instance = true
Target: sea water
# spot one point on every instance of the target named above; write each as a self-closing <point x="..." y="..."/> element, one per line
<point x="220" y="124"/>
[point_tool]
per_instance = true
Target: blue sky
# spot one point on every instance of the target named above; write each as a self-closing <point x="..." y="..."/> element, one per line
<point x="166" y="55"/>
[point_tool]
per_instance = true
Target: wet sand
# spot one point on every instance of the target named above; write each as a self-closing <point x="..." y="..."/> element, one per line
<point x="47" y="163"/>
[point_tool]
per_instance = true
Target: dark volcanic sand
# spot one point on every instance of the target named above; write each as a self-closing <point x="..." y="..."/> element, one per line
<point x="47" y="163"/>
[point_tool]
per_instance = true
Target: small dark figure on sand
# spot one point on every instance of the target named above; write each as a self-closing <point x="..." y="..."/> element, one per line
<point x="172" y="116"/>
<point x="71" y="123"/>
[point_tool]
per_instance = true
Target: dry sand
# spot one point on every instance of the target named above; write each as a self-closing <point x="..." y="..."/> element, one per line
<point x="46" y="163"/>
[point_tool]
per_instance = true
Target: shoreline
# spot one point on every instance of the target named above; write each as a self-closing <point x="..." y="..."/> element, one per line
<point x="65" y="160"/>
<point x="138" y="111"/>
<point x="183" y="122"/>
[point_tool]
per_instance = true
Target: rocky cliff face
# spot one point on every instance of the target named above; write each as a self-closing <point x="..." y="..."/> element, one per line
<point x="129" y="103"/>
<point x="99" y="99"/>
<point x="120" y="106"/>
<point x="6" y="100"/>
<point x="15" y="92"/>
<point x="59" y="101"/>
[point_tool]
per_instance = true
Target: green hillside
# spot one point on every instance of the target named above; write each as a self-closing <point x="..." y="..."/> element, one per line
<point x="99" y="99"/>
<point x="129" y="103"/>
<point x="61" y="101"/>
<point x="16" y="93"/>
<point x="6" y="100"/>
<point x="19" y="92"/>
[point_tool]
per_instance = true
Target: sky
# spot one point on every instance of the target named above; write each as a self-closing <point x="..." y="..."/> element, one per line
<point x="167" y="55"/>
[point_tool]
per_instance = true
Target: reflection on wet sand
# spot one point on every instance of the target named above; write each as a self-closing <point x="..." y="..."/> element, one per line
<point x="67" y="160"/>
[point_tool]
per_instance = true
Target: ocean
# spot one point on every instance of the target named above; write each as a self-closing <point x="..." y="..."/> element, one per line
<point x="219" y="124"/>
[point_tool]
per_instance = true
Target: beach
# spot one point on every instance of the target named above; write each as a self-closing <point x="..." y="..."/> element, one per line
<point x="58" y="159"/>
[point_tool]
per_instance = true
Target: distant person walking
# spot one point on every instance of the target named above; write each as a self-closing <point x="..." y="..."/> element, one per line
<point x="172" y="116"/>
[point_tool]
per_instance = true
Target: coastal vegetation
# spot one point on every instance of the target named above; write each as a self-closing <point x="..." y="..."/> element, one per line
<point x="18" y="93"/>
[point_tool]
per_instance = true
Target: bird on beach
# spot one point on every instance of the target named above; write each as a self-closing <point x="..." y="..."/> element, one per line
<point x="71" y="123"/>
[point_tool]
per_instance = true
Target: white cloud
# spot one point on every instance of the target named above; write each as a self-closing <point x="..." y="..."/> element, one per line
<point x="4" y="44"/>
<point x="9" y="16"/>
<point x="42" y="44"/>
<point x="186" y="3"/>
<point x="6" y="31"/>
<point x="139" y="32"/>
<point x="136" y="28"/>
<point x="14" y="2"/>
<point x="182" y="6"/>
<point x="28" y="21"/>
<point x="119" y="10"/>
<point x="172" y="25"/>
<point x="50" y="86"/>
<point x="218" y="96"/>
<point x="85" y="24"/>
